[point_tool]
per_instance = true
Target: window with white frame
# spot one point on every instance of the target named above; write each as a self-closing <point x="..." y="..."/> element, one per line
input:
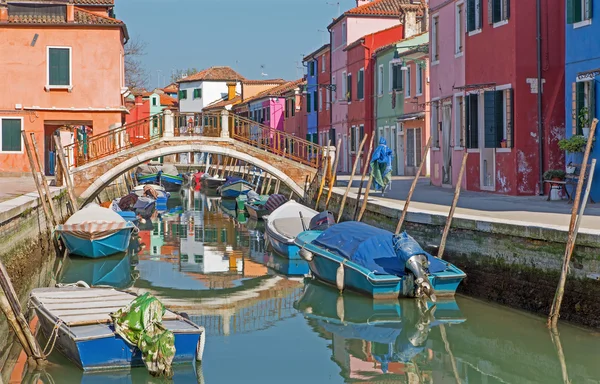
<point x="344" y="85"/>
<point x="322" y="63"/>
<point x="419" y="80"/>
<point x="407" y="88"/>
<point x="435" y="40"/>
<point x="579" y="10"/>
<point x="500" y="11"/>
<point x="328" y="99"/>
<point x="380" y="80"/>
<point x="396" y="78"/>
<point x="434" y="124"/>
<point x="360" y="84"/>
<point x="10" y="137"/>
<point x="459" y="121"/>
<point x="498" y="118"/>
<point x="320" y="99"/>
<point x="474" y="15"/>
<point x="459" y="28"/>
<point x="59" y="67"/>
<point x="334" y="92"/>
<point x="344" y="34"/>
<point x="583" y="105"/>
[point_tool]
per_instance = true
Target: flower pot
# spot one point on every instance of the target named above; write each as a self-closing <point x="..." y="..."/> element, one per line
<point x="570" y="170"/>
<point x="586" y="132"/>
<point x="503" y="144"/>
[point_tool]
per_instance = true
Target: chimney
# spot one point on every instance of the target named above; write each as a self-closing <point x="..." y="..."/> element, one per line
<point x="231" y="90"/>
<point x="362" y="2"/>
<point x="3" y="13"/>
<point x="412" y="25"/>
<point x="70" y="13"/>
<point x="139" y="100"/>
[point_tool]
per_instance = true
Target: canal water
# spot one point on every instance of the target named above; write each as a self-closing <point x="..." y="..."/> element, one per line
<point x="266" y="323"/>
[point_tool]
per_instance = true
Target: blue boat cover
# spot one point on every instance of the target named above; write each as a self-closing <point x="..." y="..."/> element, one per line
<point x="369" y="247"/>
<point x="232" y="179"/>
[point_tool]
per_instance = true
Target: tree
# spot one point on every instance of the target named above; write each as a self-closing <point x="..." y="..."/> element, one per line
<point x="136" y="75"/>
<point x="179" y="73"/>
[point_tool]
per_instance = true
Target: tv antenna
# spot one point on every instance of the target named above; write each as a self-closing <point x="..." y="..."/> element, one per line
<point x="262" y="71"/>
<point x="334" y="4"/>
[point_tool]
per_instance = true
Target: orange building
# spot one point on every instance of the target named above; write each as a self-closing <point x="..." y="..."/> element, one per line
<point x="62" y="67"/>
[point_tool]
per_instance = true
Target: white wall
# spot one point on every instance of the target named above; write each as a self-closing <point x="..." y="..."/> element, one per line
<point x="211" y="92"/>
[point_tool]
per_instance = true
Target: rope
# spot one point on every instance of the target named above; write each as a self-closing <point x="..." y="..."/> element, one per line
<point x="52" y="338"/>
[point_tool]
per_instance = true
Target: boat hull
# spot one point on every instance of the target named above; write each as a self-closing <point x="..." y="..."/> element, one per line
<point x="212" y="183"/>
<point x="110" y="245"/>
<point x="171" y="183"/>
<point x="283" y="247"/>
<point x="234" y="190"/>
<point x="256" y="212"/>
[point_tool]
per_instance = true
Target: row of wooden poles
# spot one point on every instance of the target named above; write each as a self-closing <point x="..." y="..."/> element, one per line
<point x="577" y="210"/>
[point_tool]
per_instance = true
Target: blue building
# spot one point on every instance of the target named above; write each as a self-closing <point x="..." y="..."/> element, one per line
<point x="311" y="62"/>
<point x="582" y="67"/>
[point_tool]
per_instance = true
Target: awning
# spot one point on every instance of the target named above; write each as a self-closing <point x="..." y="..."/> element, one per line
<point x="411" y="116"/>
<point x="582" y="76"/>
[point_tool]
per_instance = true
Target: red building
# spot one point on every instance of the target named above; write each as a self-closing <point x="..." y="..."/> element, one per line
<point x="295" y="112"/>
<point x="138" y="109"/>
<point x="360" y="84"/>
<point x="501" y="127"/>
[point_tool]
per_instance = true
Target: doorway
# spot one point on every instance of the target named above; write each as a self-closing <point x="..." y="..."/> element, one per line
<point x="399" y="163"/>
<point x="413" y="150"/>
<point x="487" y="158"/>
<point x="446" y="144"/>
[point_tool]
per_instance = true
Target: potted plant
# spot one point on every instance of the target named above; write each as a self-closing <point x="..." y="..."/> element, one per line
<point x="554" y="175"/>
<point x="583" y="119"/>
<point x="571" y="169"/>
<point x="573" y="144"/>
<point x="503" y="143"/>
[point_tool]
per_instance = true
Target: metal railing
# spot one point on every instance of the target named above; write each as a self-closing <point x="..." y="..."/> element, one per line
<point x="197" y="124"/>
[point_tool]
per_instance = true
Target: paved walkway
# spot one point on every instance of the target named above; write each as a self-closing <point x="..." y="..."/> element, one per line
<point x="531" y="209"/>
<point x="11" y="187"/>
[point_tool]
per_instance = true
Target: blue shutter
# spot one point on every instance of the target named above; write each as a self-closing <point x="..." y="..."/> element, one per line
<point x="489" y="120"/>
<point x="11" y="135"/>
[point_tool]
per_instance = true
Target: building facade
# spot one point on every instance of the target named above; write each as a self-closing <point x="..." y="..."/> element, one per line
<point x="69" y="62"/>
<point x="297" y="112"/>
<point x="205" y="87"/>
<point x="324" y="78"/>
<point x="312" y="91"/>
<point x="582" y="59"/>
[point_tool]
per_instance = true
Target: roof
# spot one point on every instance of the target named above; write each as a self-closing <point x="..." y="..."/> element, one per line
<point x="216" y="73"/>
<point x="263" y="82"/>
<point x="276" y="91"/>
<point x="219" y="104"/>
<point x="395" y="43"/>
<point x="362" y="39"/>
<point x="316" y="52"/>
<point x="382" y="8"/>
<point x="171" y="88"/>
<point x="95" y="2"/>
<point x="167" y="100"/>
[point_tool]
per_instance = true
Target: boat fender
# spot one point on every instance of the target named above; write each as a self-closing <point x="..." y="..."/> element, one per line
<point x="339" y="308"/>
<point x="339" y="277"/>
<point x="201" y="343"/>
<point x="306" y="254"/>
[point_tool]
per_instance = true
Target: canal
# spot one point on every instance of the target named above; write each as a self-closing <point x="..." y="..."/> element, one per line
<point x="267" y="324"/>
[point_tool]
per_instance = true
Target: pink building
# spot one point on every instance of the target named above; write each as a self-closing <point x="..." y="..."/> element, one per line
<point x="447" y="87"/>
<point x="367" y="17"/>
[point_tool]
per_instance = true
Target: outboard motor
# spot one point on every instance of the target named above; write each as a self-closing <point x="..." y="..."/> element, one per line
<point x="252" y="196"/>
<point x="321" y="221"/>
<point x="415" y="260"/>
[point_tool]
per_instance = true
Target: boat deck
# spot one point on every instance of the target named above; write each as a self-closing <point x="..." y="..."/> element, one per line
<point x="290" y="227"/>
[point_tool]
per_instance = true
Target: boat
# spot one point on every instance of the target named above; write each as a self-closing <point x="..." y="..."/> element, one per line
<point x="95" y="232"/>
<point x="129" y="216"/>
<point x="250" y="197"/>
<point x="162" y="195"/>
<point x="258" y="211"/>
<point x="78" y="320"/>
<point x="285" y="223"/>
<point x="228" y="207"/>
<point x="376" y="262"/>
<point x="211" y="182"/>
<point x="114" y="271"/>
<point x="164" y="174"/>
<point x="233" y="187"/>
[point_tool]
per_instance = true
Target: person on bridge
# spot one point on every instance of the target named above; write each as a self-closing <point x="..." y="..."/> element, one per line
<point x="381" y="167"/>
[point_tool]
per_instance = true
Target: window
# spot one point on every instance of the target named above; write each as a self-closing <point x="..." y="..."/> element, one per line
<point x="353" y="144"/>
<point x="294" y="106"/>
<point x="360" y="84"/>
<point x="311" y="67"/>
<point x="322" y="63"/>
<point x="197" y="93"/>
<point x="315" y="101"/>
<point x="320" y="100"/>
<point x="333" y="39"/>
<point x="10" y="140"/>
<point x="498" y="118"/>
<point x="407" y="90"/>
<point x="349" y="87"/>
<point x="499" y="11"/>
<point x="459" y="123"/>
<point x="183" y="94"/>
<point x="474" y="15"/>
<point x="268" y="116"/>
<point x="435" y="113"/>
<point x="334" y="93"/>
<point x="380" y="80"/>
<point x="154" y="101"/>
<point x="308" y="104"/>
<point x="59" y="66"/>
<point x="472" y="120"/>
<point x="584" y="100"/>
<point x="344" y="33"/>
<point x="579" y="10"/>
<point x="328" y="99"/>
<point x="419" y="80"/>
<point x="435" y="40"/>
<point x="344" y="86"/>
<point x="395" y="78"/>
<point x="287" y="108"/>
<point x="459" y="29"/>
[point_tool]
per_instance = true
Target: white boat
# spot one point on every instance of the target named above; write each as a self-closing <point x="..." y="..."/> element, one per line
<point x="139" y="189"/>
<point x="284" y="224"/>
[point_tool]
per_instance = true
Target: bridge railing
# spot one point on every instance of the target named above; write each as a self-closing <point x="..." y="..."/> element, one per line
<point x="197" y="124"/>
<point x="86" y="148"/>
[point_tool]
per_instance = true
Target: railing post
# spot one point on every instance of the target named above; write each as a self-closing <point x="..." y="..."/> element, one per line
<point x="225" y="124"/>
<point x="169" y="128"/>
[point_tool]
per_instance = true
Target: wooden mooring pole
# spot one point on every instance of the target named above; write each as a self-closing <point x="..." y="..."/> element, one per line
<point x="573" y="229"/>
<point x="358" y="156"/>
<point x="49" y="218"/>
<point x="44" y="182"/>
<point x="325" y="174"/>
<point x="333" y="174"/>
<point x="62" y="160"/>
<point x="413" y="186"/>
<point x="362" y="179"/>
<point x="453" y="207"/>
<point x="366" y="199"/>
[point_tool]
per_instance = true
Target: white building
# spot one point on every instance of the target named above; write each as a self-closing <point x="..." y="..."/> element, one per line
<point x="205" y="87"/>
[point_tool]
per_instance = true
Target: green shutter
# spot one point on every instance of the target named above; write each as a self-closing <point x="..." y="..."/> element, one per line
<point x="308" y="95"/>
<point x="497" y="11"/>
<point x="59" y="71"/>
<point x="287" y="109"/>
<point x="315" y="102"/>
<point x="592" y="108"/>
<point x="580" y="104"/>
<point x="471" y="107"/>
<point x="489" y="119"/>
<point x="359" y="85"/>
<point x="362" y="132"/>
<point x="577" y="11"/>
<point x="507" y="9"/>
<point x="491" y="11"/>
<point x="499" y="105"/>
<point x="510" y="119"/>
<point x="470" y="15"/>
<point x="480" y="13"/>
<point x="11" y="135"/>
<point x="349" y="87"/>
<point x="589" y="7"/>
<point x="570" y="15"/>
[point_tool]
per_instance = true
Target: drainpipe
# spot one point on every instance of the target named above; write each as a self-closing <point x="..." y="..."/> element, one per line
<point x="330" y="82"/>
<point x="539" y="95"/>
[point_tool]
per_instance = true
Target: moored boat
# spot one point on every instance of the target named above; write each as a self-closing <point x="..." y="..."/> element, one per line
<point x="114" y="271"/>
<point x="233" y="187"/>
<point x="250" y="198"/>
<point x="95" y="232"/>
<point x="165" y="174"/>
<point x="211" y="182"/>
<point x="79" y="321"/>
<point x="375" y="262"/>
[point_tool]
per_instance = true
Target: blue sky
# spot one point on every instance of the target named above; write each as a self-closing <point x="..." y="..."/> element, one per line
<point x="243" y="34"/>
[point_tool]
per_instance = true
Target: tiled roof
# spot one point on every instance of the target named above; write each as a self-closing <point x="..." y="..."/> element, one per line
<point x="383" y="8"/>
<point x="386" y="47"/>
<point x="81" y="17"/>
<point x="314" y="53"/>
<point x="214" y="74"/>
<point x="263" y="82"/>
<point x="94" y="2"/>
<point x="219" y="104"/>
<point x="85" y="17"/>
<point x="276" y="91"/>
<point x="167" y="100"/>
<point x="171" y="88"/>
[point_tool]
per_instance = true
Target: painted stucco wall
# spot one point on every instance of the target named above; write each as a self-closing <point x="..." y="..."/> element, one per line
<point x="311" y="82"/>
<point x="154" y="109"/>
<point x="582" y="54"/>
<point x="448" y="73"/>
<point x="211" y="92"/>
<point x="324" y="114"/>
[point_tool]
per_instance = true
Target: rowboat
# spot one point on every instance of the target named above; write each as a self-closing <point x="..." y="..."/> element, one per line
<point x="161" y="198"/>
<point x="165" y="174"/>
<point x="96" y="232"/>
<point x="211" y="182"/>
<point x="129" y="216"/>
<point x="284" y="224"/>
<point x="250" y="198"/>
<point x="375" y="262"/>
<point x="78" y="321"/>
<point x="114" y="271"/>
<point x="233" y="187"/>
<point x="257" y="211"/>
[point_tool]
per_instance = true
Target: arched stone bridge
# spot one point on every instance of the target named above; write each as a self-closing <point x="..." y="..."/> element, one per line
<point x="108" y="157"/>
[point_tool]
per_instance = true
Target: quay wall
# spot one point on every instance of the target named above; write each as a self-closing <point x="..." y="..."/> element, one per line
<point x="28" y="253"/>
<point x="512" y="263"/>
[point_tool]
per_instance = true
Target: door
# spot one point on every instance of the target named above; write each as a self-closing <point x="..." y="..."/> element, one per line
<point x="399" y="163"/>
<point x="446" y="145"/>
<point x="413" y="150"/>
<point x="487" y="166"/>
<point x="393" y="144"/>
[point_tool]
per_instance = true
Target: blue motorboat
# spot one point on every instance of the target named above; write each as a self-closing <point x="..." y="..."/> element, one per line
<point x="165" y="174"/>
<point x="96" y="232"/>
<point x="285" y="223"/>
<point x="375" y="262"/>
<point x="129" y="216"/>
<point x="79" y="321"/>
<point x="114" y="271"/>
<point x="233" y="187"/>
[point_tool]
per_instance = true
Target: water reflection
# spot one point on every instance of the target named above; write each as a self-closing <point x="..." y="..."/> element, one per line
<point x="115" y="271"/>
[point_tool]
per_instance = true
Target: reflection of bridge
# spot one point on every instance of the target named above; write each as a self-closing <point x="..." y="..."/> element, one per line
<point x="101" y="159"/>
